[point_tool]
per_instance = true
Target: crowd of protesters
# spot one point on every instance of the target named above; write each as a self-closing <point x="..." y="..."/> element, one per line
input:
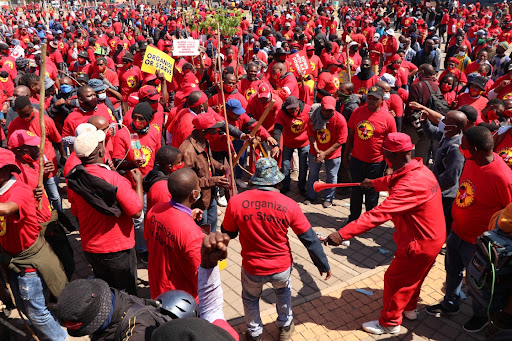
<point x="411" y="99"/>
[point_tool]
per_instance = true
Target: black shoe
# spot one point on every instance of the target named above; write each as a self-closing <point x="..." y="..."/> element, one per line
<point x="285" y="333"/>
<point x="143" y="257"/>
<point x="437" y="310"/>
<point x="443" y="251"/>
<point x="327" y="204"/>
<point x="475" y="324"/>
<point x="248" y="337"/>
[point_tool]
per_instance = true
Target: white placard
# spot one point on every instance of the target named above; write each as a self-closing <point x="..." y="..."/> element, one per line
<point x="185" y="47"/>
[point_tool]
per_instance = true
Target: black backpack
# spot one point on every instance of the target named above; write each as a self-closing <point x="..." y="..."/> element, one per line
<point x="436" y="101"/>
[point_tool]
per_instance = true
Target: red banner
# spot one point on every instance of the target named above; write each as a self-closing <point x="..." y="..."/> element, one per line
<point x="300" y="63"/>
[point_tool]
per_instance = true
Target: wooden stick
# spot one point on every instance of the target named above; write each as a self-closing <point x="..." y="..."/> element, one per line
<point x="228" y="138"/>
<point x="254" y="130"/>
<point x="42" y="74"/>
<point x="348" y="64"/>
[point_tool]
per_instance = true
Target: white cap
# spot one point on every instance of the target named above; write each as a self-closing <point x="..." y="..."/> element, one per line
<point x="86" y="143"/>
<point x="388" y="78"/>
<point x="353" y="43"/>
<point x="390" y="32"/>
<point x="376" y="35"/>
<point x="287" y="24"/>
<point x="84" y="128"/>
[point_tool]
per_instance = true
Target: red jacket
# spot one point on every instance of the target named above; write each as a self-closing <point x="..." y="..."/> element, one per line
<point x="414" y="206"/>
<point x="287" y="86"/>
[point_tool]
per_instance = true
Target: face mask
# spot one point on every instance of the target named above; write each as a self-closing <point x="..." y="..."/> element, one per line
<point x="395" y="66"/>
<point x="229" y="89"/>
<point x="480" y="41"/>
<point x="310" y="53"/>
<point x="139" y="125"/>
<point x="229" y="59"/>
<point x="81" y="61"/>
<point x="474" y="93"/>
<point x="390" y="165"/>
<point x="491" y="115"/>
<point x="450" y="68"/>
<point x="102" y="69"/>
<point x="445" y="87"/>
<point x="28" y="119"/>
<point x="102" y="96"/>
<point x="27" y="158"/>
<point x="91" y="105"/>
<point x="198" y="197"/>
<point x="401" y="45"/>
<point x="386" y="96"/>
<point x="66" y="88"/>
<point x="465" y="152"/>
<point x="462" y="53"/>
<point x="179" y="166"/>
<point x="508" y="113"/>
<point x="436" y="46"/>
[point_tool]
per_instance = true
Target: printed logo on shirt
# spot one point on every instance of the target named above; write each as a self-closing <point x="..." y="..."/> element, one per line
<point x="144" y="152"/>
<point x="313" y="66"/>
<point x="131" y="81"/>
<point x="336" y="82"/>
<point x="465" y="195"/>
<point x="29" y="133"/>
<point x="9" y="64"/>
<point x="506" y="155"/>
<point x="3" y="226"/>
<point x="323" y="136"/>
<point x="362" y="90"/>
<point x="508" y="96"/>
<point x="61" y="45"/>
<point x="3" y="80"/>
<point x="365" y="130"/>
<point x="157" y="127"/>
<point x="249" y="93"/>
<point x="297" y="125"/>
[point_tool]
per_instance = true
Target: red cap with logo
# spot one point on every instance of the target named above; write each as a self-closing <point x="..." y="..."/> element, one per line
<point x="23" y="137"/>
<point x="264" y="91"/>
<point x="329" y="103"/>
<point x="149" y="91"/>
<point x="397" y="143"/>
<point x="206" y="121"/>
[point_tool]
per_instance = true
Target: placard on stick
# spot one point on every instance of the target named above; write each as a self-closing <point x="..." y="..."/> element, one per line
<point x="185" y="47"/>
<point x="156" y="60"/>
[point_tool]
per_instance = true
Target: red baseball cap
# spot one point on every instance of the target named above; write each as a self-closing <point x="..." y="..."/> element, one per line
<point x="133" y="99"/>
<point x="149" y="91"/>
<point x="397" y="143"/>
<point x="7" y="158"/>
<point x="187" y="89"/>
<point x="264" y="91"/>
<point x="206" y="121"/>
<point x="329" y="103"/>
<point x="23" y="137"/>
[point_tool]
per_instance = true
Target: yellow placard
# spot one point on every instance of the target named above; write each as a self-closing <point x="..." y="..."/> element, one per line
<point x="222" y="264"/>
<point x="155" y="59"/>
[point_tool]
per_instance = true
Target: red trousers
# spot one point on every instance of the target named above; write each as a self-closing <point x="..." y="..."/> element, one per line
<point x="404" y="277"/>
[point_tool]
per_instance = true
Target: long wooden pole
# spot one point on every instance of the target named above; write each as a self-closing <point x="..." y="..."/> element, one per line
<point x="42" y="74"/>
<point x="254" y="130"/>
<point x="230" y="156"/>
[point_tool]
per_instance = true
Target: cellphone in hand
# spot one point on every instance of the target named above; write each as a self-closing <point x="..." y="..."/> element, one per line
<point x="321" y="237"/>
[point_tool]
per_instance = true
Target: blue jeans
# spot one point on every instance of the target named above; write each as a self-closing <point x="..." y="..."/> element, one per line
<point x="237" y="144"/>
<point x="458" y="255"/>
<point x="138" y="224"/>
<point x="331" y="169"/>
<point x="251" y="293"/>
<point x="29" y="295"/>
<point x="360" y="170"/>
<point x="210" y="214"/>
<point x="303" y="166"/>
<point x="52" y="189"/>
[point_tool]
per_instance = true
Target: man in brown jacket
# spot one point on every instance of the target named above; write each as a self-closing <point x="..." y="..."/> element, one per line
<point x="197" y="155"/>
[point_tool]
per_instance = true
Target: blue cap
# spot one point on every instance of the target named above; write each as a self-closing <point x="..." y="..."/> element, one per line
<point x="235" y="106"/>
<point x="97" y="85"/>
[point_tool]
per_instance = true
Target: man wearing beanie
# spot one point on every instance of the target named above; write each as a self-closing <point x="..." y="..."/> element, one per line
<point x="414" y="205"/>
<point x="263" y="216"/>
<point x="105" y="203"/>
<point x="135" y="148"/>
<point x="34" y="265"/>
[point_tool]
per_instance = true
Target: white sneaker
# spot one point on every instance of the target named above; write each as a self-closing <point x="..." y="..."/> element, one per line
<point x="374" y="327"/>
<point x="241" y="184"/>
<point x="411" y="314"/>
<point x="222" y="202"/>
<point x="345" y="243"/>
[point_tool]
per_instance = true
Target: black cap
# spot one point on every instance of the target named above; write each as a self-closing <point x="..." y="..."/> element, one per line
<point x="375" y="91"/>
<point x="143" y="44"/>
<point x="4" y="46"/>
<point x="479" y="81"/>
<point x="83" y="54"/>
<point x="82" y="77"/>
<point x="280" y="50"/>
<point x="128" y="56"/>
<point x="291" y="102"/>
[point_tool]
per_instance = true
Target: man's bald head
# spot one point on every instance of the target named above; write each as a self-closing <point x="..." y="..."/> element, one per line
<point x="384" y="86"/>
<point x="181" y="183"/>
<point x="21" y="90"/>
<point x="279" y="67"/>
<point x="347" y="87"/>
<point x="457" y="118"/>
<point x="66" y="80"/>
<point x="99" y="122"/>
<point x="428" y="70"/>
<point x="194" y="97"/>
<point x="83" y="90"/>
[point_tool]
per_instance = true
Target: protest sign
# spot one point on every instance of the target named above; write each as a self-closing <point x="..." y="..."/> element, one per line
<point x="185" y="47"/>
<point x="300" y="63"/>
<point x="156" y="60"/>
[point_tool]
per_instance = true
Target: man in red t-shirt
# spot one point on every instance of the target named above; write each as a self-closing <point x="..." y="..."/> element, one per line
<point x="105" y="214"/>
<point x="174" y="245"/>
<point x="368" y="127"/>
<point x="327" y="132"/>
<point x="19" y="231"/>
<point x="130" y="79"/>
<point x="485" y="187"/>
<point x="263" y="216"/>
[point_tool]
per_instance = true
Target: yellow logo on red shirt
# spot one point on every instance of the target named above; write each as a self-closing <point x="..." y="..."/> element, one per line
<point x="3" y="226"/>
<point x="249" y="93"/>
<point x="144" y="152"/>
<point x="297" y="125"/>
<point x="9" y="64"/>
<point x="29" y="133"/>
<point x="313" y="66"/>
<point x="61" y="45"/>
<point x="4" y="79"/>
<point x="465" y="195"/>
<point x="508" y="96"/>
<point x="131" y="81"/>
<point x="26" y="40"/>
<point x="323" y="136"/>
<point x="365" y="130"/>
<point x="506" y="155"/>
<point x="157" y="127"/>
<point x="336" y="82"/>
<point x="362" y="90"/>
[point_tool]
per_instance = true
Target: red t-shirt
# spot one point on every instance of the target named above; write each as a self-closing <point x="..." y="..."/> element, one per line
<point x="504" y="149"/>
<point x="263" y="219"/>
<point x="104" y="233"/>
<point x="52" y="135"/>
<point x="129" y="81"/>
<point x="294" y="131"/>
<point x="30" y="176"/>
<point x="159" y="192"/>
<point x="478" y="103"/>
<point x="329" y="82"/>
<point x="174" y="247"/>
<point x="19" y="231"/>
<point x="78" y="116"/>
<point x="335" y="131"/>
<point x="483" y="191"/>
<point x="255" y="109"/>
<point x="362" y="86"/>
<point x="370" y="130"/>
